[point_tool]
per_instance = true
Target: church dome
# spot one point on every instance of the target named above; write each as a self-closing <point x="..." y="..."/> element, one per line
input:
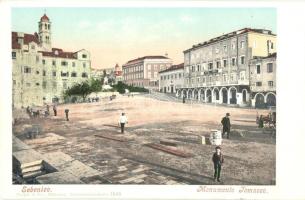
<point x="44" y="18"/>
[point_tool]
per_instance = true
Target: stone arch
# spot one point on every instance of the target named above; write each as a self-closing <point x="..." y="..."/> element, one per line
<point x="208" y="95"/>
<point x="195" y="94"/>
<point x="259" y="100"/>
<point x="201" y="94"/>
<point x="244" y="93"/>
<point x="189" y="94"/>
<point x="270" y="99"/>
<point x="232" y="95"/>
<point x="223" y="95"/>
<point x="215" y="95"/>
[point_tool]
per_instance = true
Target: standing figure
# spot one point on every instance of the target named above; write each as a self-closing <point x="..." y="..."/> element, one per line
<point x="55" y="109"/>
<point x="261" y="122"/>
<point x="123" y="121"/>
<point x="67" y="114"/>
<point x="218" y="161"/>
<point x="183" y="99"/>
<point x="226" y="125"/>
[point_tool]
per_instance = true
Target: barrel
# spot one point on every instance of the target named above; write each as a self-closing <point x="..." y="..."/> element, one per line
<point x="215" y="137"/>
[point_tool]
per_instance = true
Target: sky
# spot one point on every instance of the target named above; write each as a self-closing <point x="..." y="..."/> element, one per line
<point x="116" y="35"/>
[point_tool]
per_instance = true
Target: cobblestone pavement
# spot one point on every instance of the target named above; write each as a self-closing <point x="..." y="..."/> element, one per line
<point x="249" y="159"/>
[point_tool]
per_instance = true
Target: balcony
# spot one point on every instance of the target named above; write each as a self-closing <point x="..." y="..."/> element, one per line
<point x="243" y="82"/>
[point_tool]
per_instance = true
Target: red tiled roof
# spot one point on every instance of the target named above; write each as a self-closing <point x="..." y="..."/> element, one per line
<point x="173" y="67"/>
<point x="27" y="38"/>
<point x="60" y="53"/>
<point x="147" y="57"/>
<point x="44" y="18"/>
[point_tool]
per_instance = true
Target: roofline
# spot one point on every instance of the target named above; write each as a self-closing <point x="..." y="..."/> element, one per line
<point x="226" y="36"/>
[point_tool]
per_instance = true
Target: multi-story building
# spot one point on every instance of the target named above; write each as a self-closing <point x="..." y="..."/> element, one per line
<point x="42" y="73"/>
<point x="171" y="79"/>
<point x="218" y="70"/>
<point x="143" y="72"/>
<point x="263" y="81"/>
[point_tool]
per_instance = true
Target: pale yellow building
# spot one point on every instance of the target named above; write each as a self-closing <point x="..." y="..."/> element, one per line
<point x="217" y="70"/>
<point x="42" y="73"/>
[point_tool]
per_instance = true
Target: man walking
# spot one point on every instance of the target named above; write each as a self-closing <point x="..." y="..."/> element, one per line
<point x="55" y="109"/>
<point x="67" y="114"/>
<point x="226" y="125"/>
<point x="123" y="121"/>
<point x="218" y="161"/>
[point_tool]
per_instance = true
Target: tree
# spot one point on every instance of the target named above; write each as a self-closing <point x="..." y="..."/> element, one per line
<point x="96" y="85"/>
<point x="80" y="89"/>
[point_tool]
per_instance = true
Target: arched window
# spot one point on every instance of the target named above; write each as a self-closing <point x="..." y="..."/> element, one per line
<point x="49" y="26"/>
<point x="45" y="26"/>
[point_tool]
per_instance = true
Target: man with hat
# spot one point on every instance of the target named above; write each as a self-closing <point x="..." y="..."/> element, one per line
<point x="226" y="125"/>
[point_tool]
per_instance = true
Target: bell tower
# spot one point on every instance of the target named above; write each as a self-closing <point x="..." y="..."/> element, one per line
<point x="44" y="27"/>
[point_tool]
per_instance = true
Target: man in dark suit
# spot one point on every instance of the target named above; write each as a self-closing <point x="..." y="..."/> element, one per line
<point x="226" y="125"/>
<point x="218" y="161"/>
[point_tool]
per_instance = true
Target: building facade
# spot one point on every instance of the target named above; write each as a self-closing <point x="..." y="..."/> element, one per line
<point x="217" y="71"/>
<point x="171" y="79"/>
<point x="42" y="73"/>
<point x="263" y="81"/>
<point x="143" y="72"/>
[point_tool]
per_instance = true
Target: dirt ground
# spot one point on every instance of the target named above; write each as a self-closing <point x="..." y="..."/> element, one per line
<point x="250" y="153"/>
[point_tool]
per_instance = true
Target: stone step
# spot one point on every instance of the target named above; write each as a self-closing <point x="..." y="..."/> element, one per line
<point x="31" y="168"/>
<point x="33" y="174"/>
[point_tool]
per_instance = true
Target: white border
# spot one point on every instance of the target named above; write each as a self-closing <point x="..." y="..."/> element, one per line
<point x="290" y="103"/>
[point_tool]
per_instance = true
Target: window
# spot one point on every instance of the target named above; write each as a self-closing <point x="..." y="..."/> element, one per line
<point x="27" y="70"/>
<point x="179" y="75"/>
<point x="64" y="85"/>
<point x="270" y="83"/>
<point x="242" y="44"/>
<point x="53" y="63"/>
<point x="218" y="64"/>
<point x="43" y="62"/>
<point x="44" y="72"/>
<point x="64" y="63"/>
<point x="14" y="82"/>
<point x="84" y="65"/>
<point x="233" y="62"/>
<point x="37" y="84"/>
<point x="84" y="56"/>
<point x="258" y="69"/>
<point x="258" y="84"/>
<point x="270" y="67"/>
<point x="242" y="60"/>
<point x="225" y="48"/>
<point x="198" y="68"/>
<point x="44" y="85"/>
<point x="54" y="73"/>
<point x="210" y="66"/>
<point x="232" y="46"/>
<point x="84" y="75"/>
<point x="33" y="47"/>
<point x="225" y="78"/>
<point x="175" y="76"/>
<point x="37" y="72"/>
<point x="203" y="79"/>
<point x="224" y="63"/>
<point x="14" y="55"/>
<point x="64" y="74"/>
<point x="73" y="64"/>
